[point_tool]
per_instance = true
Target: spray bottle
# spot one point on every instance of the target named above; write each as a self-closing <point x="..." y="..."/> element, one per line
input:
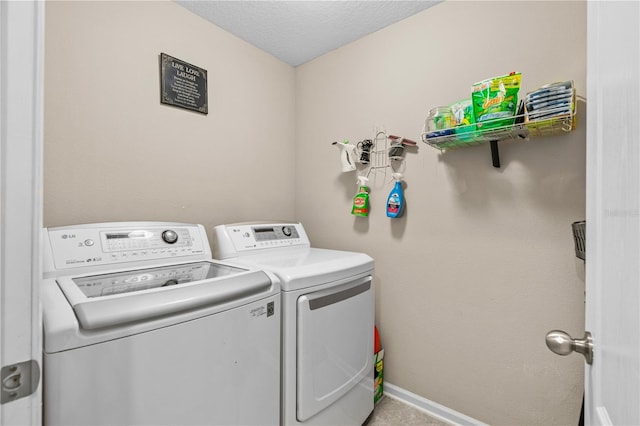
<point x="361" y="199"/>
<point x="395" y="202"/>
<point x="347" y="155"/>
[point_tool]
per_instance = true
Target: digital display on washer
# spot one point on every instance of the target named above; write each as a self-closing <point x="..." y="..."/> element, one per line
<point x="135" y="234"/>
<point x="143" y="279"/>
<point x="112" y="236"/>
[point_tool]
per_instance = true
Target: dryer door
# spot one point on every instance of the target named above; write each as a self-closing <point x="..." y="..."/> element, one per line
<point x="335" y="346"/>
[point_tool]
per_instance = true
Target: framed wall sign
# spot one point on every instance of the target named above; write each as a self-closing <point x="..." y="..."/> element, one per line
<point x="183" y="85"/>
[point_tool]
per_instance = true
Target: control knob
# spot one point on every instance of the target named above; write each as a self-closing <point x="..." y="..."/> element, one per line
<point x="169" y="236"/>
<point x="286" y="230"/>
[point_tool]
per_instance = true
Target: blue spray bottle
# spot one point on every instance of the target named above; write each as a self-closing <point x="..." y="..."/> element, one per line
<point x="395" y="201"/>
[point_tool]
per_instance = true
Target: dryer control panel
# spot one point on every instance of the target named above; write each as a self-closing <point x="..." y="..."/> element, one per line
<point x="237" y="239"/>
<point x="114" y="243"/>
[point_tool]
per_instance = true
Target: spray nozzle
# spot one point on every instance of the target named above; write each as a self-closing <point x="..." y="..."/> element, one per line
<point x="397" y="176"/>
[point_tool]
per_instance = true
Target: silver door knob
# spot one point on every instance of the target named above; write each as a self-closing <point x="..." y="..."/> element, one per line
<point x="562" y="344"/>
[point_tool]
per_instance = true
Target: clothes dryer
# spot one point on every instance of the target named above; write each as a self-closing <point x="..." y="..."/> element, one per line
<point x="327" y="320"/>
<point x="142" y="327"/>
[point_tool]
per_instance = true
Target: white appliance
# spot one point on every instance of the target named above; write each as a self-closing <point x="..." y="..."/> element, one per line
<point x="327" y="320"/>
<point x="141" y="327"/>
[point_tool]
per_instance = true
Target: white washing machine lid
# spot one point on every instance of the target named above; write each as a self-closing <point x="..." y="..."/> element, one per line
<point x="299" y="268"/>
<point x="106" y="281"/>
<point x="121" y="297"/>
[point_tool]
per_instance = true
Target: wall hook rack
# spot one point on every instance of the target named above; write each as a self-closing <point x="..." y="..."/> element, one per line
<point x="387" y="152"/>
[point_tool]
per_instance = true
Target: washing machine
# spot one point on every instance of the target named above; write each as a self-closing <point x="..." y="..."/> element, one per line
<point x="142" y="327"/>
<point x="327" y="320"/>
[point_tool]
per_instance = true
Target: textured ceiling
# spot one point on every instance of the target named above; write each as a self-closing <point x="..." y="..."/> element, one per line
<point x="299" y="31"/>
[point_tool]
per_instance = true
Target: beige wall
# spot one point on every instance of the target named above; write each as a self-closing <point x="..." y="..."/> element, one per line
<point x="113" y="152"/>
<point x="482" y="265"/>
<point x="473" y="276"/>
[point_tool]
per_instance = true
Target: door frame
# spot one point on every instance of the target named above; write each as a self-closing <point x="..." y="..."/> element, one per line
<point x="21" y="146"/>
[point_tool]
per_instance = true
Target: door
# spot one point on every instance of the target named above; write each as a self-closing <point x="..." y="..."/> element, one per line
<point x="335" y="348"/>
<point x="612" y="382"/>
<point x="21" y="122"/>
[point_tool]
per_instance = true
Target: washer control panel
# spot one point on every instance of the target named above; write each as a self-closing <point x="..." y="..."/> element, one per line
<point x="145" y="239"/>
<point x="238" y="238"/>
<point x="86" y="245"/>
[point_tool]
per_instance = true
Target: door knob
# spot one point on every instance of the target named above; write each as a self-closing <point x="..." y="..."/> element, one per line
<point x="562" y="344"/>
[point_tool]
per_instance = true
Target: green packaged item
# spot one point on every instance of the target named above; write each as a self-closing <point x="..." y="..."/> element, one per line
<point x="495" y="101"/>
<point x="378" y="378"/>
<point x="464" y="120"/>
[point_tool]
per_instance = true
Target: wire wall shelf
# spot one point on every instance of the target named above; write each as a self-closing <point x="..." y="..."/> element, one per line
<point x="521" y="126"/>
<point x="547" y="111"/>
<point x="472" y="135"/>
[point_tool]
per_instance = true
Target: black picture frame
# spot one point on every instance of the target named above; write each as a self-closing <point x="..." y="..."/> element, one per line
<point x="183" y="85"/>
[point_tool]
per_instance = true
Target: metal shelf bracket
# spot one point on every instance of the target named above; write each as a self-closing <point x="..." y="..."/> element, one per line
<point x="495" y="154"/>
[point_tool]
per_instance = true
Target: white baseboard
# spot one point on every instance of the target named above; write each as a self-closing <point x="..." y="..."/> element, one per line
<point x="431" y="408"/>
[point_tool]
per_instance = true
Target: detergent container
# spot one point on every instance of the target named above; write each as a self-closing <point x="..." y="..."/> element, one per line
<point x="395" y="201"/>
<point x="361" y="199"/>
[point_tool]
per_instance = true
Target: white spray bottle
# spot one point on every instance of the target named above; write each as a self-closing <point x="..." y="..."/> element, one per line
<point x="347" y="155"/>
